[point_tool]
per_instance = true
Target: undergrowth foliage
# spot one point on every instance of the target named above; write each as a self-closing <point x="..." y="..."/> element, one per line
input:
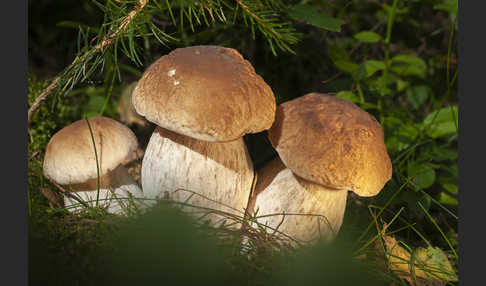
<point x="395" y="59"/>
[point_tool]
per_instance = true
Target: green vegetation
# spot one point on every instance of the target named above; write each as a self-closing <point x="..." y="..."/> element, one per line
<point x="396" y="59"/>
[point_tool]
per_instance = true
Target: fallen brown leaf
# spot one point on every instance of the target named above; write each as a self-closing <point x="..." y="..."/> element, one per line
<point x="423" y="267"/>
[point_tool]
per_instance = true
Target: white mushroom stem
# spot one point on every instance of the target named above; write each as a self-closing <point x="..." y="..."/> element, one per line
<point x="213" y="175"/>
<point x="298" y="208"/>
<point x="118" y="192"/>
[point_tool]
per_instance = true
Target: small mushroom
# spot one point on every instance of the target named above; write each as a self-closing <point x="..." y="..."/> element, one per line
<point x="327" y="146"/>
<point x="125" y="108"/>
<point x="70" y="161"/>
<point x="203" y="99"/>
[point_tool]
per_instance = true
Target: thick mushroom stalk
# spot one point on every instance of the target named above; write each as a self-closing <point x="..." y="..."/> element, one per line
<point x="303" y="210"/>
<point x="213" y="175"/>
<point x="118" y="190"/>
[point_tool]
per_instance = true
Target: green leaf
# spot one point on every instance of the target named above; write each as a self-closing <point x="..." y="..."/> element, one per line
<point x="409" y="59"/>
<point x="368" y="106"/>
<point x="422" y="174"/>
<point x="441" y="122"/>
<point x="408" y="132"/>
<point x="341" y="59"/>
<point x="380" y="85"/>
<point x="442" y="153"/>
<point x="315" y="17"/>
<point x="368" y="68"/>
<point x="449" y="184"/>
<point x="407" y="65"/>
<point x="447" y="199"/>
<point x="347" y="95"/>
<point x="367" y="37"/>
<point x="338" y="53"/>
<point x="401" y="133"/>
<point x="402" y="84"/>
<point x="346" y="66"/>
<point x="434" y="261"/>
<point x="448" y="6"/>
<point x="392" y="123"/>
<point x="451" y="188"/>
<point x="417" y="94"/>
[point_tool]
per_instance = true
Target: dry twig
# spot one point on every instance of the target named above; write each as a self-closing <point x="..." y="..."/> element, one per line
<point x="68" y="194"/>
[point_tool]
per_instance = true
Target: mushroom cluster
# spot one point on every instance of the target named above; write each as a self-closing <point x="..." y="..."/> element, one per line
<point x="203" y="99"/>
<point x="327" y="146"/>
<point x="70" y="161"/>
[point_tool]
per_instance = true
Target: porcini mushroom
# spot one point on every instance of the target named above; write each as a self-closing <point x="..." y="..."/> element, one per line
<point x="125" y="108"/>
<point x="327" y="146"/>
<point x="70" y="161"/>
<point x="203" y="99"/>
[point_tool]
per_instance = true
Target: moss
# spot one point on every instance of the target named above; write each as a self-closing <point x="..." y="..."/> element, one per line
<point x="52" y="115"/>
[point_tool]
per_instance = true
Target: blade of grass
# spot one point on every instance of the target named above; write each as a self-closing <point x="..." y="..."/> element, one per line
<point x="439" y="204"/>
<point x="409" y="225"/>
<point x="380" y="233"/>
<point x="449" y="49"/>
<point x="383" y="209"/>
<point x="439" y="229"/>
<point x="97" y="163"/>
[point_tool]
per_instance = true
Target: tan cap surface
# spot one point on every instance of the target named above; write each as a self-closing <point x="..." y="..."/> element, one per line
<point x="206" y="92"/>
<point x="332" y="142"/>
<point x="70" y="157"/>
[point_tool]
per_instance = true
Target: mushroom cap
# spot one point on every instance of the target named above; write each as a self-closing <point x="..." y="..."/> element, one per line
<point x="209" y="93"/>
<point x="70" y="156"/>
<point x="332" y="142"/>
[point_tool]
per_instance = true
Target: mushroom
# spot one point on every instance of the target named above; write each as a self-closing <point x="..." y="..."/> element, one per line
<point x="203" y="99"/>
<point x="327" y="146"/>
<point x="70" y="161"/>
<point x="125" y="109"/>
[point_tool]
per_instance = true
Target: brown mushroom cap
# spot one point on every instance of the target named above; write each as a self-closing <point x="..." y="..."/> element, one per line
<point x="206" y="92"/>
<point x="70" y="156"/>
<point x="333" y="142"/>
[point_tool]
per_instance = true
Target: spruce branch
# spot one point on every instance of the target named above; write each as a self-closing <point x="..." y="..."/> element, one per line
<point x="107" y="41"/>
<point x="122" y="23"/>
<point x="265" y="18"/>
